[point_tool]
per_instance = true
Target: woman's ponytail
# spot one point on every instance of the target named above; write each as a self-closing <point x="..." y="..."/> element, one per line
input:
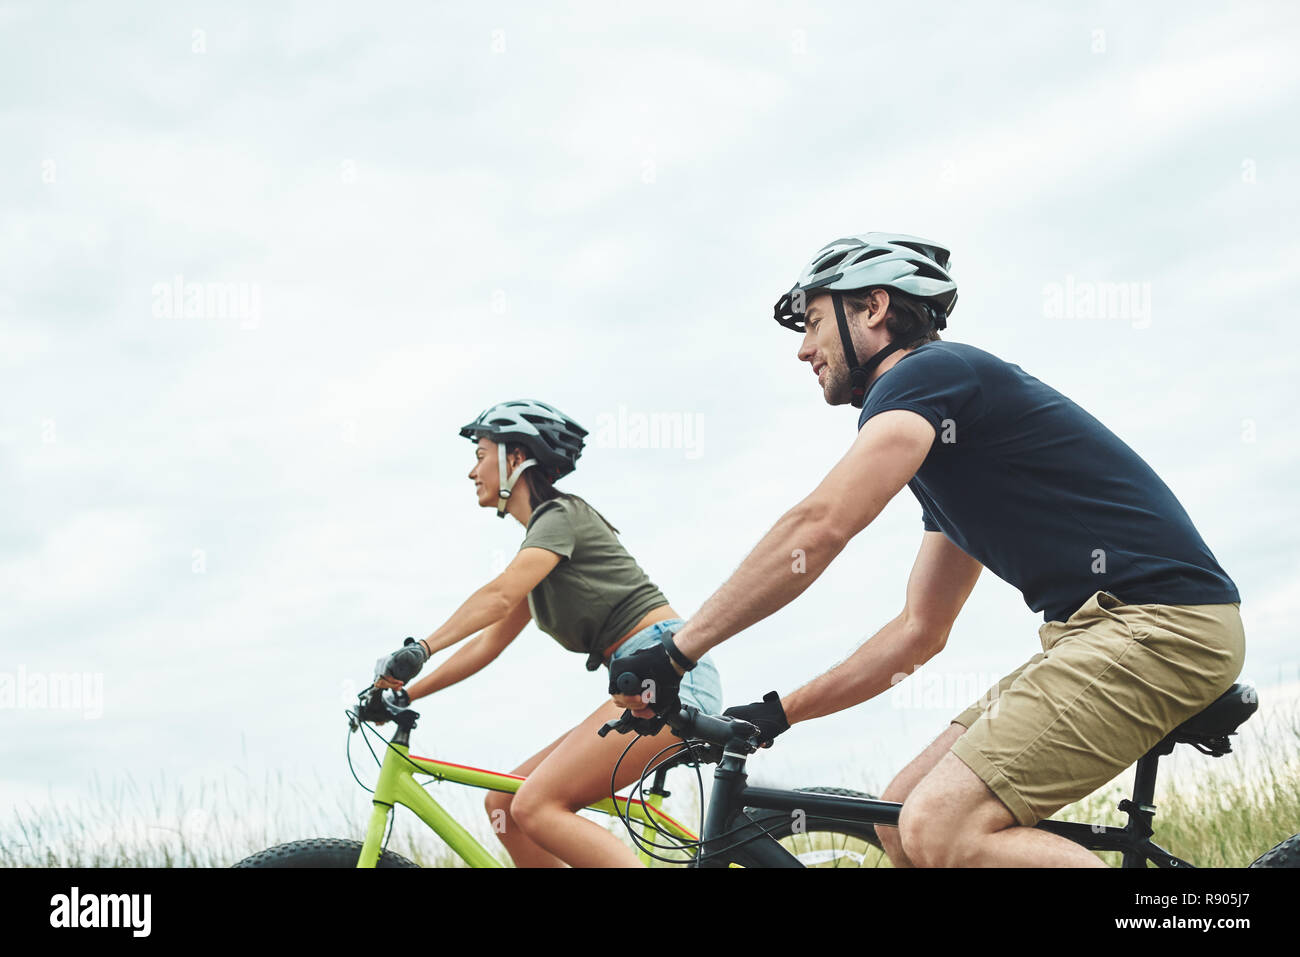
<point x="542" y="489"/>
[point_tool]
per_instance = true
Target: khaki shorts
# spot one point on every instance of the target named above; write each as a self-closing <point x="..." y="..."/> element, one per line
<point x="1110" y="683"/>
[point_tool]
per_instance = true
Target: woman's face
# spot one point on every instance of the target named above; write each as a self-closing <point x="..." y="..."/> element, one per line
<point x="486" y="475"/>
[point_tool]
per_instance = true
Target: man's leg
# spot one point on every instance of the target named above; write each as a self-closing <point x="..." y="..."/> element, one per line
<point x="1111" y="683"/>
<point x="952" y="819"/>
<point x="907" y="779"/>
<point x="902" y="785"/>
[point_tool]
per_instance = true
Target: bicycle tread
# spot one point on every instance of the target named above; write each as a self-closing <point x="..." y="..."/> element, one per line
<point x="319" y="852"/>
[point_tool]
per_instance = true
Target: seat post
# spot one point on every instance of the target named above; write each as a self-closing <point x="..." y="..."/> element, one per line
<point x="1140" y="810"/>
<point x="1144" y="783"/>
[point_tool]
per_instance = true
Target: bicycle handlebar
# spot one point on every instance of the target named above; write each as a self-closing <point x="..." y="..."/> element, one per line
<point x="379" y="705"/>
<point x="690" y="722"/>
<point x="687" y="721"/>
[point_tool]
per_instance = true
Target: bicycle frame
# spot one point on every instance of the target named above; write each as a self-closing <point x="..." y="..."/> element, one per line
<point x="397" y="785"/>
<point x="725" y="821"/>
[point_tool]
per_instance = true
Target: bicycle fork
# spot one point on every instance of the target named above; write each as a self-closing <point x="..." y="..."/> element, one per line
<point x="397" y="785"/>
<point x="723" y="834"/>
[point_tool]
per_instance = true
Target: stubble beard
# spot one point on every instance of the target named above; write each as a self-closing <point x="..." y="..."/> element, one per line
<point x="837" y="389"/>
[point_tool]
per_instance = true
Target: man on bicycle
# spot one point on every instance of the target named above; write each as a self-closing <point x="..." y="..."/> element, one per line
<point x="1141" y="626"/>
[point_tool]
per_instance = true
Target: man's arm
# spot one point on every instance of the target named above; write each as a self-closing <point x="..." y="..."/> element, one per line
<point x="885" y="455"/>
<point x="941" y="581"/>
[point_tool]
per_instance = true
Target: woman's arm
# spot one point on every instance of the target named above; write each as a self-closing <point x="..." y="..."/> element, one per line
<point x="495" y="600"/>
<point x="476" y="654"/>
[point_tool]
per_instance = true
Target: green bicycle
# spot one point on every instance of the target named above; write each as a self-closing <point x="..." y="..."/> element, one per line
<point x="814" y="841"/>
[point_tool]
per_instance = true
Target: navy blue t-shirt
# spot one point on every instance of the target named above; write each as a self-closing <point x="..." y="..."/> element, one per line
<point x="1042" y="494"/>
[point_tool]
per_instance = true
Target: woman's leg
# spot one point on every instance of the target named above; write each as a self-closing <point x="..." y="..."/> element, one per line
<point x="521" y="850"/>
<point x="574" y="775"/>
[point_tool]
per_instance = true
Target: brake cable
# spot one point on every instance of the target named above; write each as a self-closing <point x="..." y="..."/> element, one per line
<point x="644" y="845"/>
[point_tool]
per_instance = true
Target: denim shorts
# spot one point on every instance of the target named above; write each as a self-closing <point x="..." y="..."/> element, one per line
<point x="700" y="686"/>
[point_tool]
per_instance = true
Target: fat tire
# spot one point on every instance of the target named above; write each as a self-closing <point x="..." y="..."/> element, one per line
<point x="1286" y="854"/>
<point x="320" y="852"/>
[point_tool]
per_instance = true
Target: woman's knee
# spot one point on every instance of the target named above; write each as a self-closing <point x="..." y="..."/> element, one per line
<point x="530" y="806"/>
<point x="498" y="805"/>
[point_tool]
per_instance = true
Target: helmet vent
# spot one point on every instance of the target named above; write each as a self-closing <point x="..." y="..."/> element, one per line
<point x="828" y="264"/>
<point x="870" y="254"/>
<point x="929" y="272"/>
<point x="929" y="252"/>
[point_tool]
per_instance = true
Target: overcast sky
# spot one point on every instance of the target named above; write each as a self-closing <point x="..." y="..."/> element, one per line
<point x="415" y="210"/>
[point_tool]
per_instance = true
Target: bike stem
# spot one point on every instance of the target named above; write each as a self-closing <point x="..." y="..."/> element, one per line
<point x="728" y="781"/>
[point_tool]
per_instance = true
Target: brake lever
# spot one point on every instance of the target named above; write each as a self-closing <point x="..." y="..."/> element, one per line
<point x="622" y="725"/>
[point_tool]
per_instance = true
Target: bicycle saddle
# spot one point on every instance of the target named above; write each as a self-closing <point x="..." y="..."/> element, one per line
<point x="1208" y="731"/>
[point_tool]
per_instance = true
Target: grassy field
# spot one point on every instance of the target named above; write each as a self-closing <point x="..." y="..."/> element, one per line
<point x="1214" y="812"/>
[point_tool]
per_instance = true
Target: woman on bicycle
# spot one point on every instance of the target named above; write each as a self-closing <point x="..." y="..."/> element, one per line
<point x="573" y="576"/>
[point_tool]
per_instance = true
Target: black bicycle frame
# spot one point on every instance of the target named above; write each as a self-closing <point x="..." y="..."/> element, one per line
<point x="726" y="826"/>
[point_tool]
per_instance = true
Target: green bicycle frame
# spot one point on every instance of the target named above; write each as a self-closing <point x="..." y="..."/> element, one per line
<point x="397" y="785"/>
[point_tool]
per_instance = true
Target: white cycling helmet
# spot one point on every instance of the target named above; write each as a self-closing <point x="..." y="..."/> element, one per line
<point x="909" y="264"/>
<point x="552" y="438"/>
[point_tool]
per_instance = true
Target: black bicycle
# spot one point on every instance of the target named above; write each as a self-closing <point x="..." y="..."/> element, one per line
<point x="831" y="827"/>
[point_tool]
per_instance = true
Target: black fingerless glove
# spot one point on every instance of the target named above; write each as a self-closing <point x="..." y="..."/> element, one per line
<point x="650" y="673"/>
<point x="766" y="715"/>
<point x="403" y="664"/>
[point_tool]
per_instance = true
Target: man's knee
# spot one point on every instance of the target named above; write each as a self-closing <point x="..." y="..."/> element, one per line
<point x="907" y="779"/>
<point x="926" y="834"/>
<point x="947" y="815"/>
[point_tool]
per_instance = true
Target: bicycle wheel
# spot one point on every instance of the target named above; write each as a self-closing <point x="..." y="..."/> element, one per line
<point x="1286" y="854"/>
<point x="817" y="841"/>
<point x="319" y="852"/>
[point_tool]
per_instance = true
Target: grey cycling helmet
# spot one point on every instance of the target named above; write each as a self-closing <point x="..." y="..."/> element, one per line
<point x="552" y="438"/>
<point x="909" y="264"/>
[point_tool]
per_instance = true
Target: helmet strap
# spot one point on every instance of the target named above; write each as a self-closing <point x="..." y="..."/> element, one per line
<point x="859" y="375"/>
<point x="507" y="484"/>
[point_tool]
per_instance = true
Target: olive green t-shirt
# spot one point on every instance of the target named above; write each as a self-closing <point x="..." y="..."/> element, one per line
<point x="597" y="592"/>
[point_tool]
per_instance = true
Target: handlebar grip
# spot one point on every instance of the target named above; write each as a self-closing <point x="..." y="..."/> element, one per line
<point x="372" y="705"/>
<point x="627" y="683"/>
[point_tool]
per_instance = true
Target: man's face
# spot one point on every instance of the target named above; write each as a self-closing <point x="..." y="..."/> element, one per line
<point x="822" y="350"/>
